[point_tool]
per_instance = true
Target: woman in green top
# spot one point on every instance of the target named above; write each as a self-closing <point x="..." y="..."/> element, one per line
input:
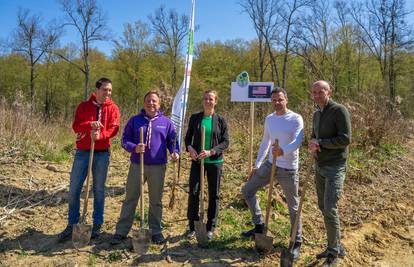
<point x="216" y="141"/>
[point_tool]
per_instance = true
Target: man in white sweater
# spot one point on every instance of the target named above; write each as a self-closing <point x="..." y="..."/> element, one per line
<point x="287" y="127"/>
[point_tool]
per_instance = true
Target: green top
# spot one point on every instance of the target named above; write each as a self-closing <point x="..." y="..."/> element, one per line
<point x="207" y="122"/>
<point x="332" y="129"/>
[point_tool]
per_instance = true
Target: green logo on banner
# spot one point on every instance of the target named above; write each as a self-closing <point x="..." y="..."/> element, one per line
<point x="243" y="79"/>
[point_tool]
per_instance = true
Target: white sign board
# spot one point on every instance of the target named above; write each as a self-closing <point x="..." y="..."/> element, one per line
<point x="251" y="92"/>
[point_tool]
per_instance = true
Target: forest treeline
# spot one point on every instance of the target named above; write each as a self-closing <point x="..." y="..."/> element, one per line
<point x="360" y="47"/>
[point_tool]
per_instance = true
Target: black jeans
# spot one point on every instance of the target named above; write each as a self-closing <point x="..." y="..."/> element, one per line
<point x="213" y="179"/>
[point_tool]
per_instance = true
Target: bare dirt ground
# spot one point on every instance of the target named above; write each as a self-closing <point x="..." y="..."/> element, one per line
<point x="377" y="219"/>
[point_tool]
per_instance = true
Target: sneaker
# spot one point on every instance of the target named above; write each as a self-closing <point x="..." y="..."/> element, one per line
<point x="331" y="261"/>
<point x="190" y="234"/>
<point x="117" y="239"/>
<point x="65" y="234"/>
<point x="296" y="250"/>
<point x="210" y="235"/>
<point x="158" y="239"/>
<point x="96" y="230"/>
<point x="258" y="229"/>
<point x="326" y="253"/>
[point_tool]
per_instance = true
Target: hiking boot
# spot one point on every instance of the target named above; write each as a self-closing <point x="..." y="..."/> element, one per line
<point x="258" y="229"/>
<point x="326" y="253"/>
<point x="96" y="230"/>
<point x="158" y="239"/>
<point x="117" y="239"/>
<point x="296" y="250"/>
<point x="65" y="234"/>
<point x="331" y="261"/>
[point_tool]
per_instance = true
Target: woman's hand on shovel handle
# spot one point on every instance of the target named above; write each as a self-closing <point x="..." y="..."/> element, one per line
<point x="193" y="153"/>
<point x="175" y="156"/>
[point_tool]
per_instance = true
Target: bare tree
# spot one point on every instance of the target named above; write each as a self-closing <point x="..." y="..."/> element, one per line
<point x="383" y="30"/>
<point x="131" y="51"/>
<point x="264" y="17"/>
<point x="170" y="30"/>
<point x="290" y="14"/>
<point x="315" y="44"/>
<point x="33" y="40"/>
<point x="90" y="22"/>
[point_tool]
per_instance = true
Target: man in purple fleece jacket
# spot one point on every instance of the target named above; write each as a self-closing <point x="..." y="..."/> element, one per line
<point x="159" y="135"/>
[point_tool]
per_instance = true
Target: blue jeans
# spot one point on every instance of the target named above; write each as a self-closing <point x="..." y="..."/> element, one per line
<point x="77" y="178"/>
<point x="329" y="182"/>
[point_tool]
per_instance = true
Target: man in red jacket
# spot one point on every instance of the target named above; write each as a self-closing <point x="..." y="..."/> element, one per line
<point x="97" y="117"/>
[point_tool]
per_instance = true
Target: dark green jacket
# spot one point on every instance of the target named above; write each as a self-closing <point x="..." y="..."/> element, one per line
<point x="332" y="129"/>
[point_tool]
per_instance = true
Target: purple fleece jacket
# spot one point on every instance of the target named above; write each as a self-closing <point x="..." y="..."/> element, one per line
<point x="162" y="137"/>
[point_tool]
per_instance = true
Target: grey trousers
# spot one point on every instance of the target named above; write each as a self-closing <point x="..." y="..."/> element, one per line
<point x="329" y="182"/>
<point x="288" y="180"/>
<point x="154" y="176"/>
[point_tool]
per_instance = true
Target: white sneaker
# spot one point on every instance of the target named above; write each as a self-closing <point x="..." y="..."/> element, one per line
<point x="210" y="235"/>
<point x="190" y="234"/>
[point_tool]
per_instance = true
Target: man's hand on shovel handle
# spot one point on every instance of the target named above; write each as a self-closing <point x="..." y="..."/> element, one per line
<point x="140" y="148"/>
<point x="276" y="151"/>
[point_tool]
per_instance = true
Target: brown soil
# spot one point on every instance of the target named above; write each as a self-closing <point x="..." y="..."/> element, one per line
<point x="377" y="220"/>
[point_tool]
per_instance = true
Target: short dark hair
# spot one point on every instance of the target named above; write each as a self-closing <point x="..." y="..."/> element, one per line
<point x="279" y="90"/>
<point x="101" y="81"/>
<point x="152" y="92"/>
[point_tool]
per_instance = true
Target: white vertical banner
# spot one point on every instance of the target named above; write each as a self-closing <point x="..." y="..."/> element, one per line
<point x="180" y="100"/>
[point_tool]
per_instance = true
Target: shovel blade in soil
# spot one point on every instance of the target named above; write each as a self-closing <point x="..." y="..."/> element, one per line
<point x="141" y="240"/>
<point x="264" y="243"/>
<point x="201" y="232"/>
<point x="286" y="258"/>
<point x="81" y="235"/>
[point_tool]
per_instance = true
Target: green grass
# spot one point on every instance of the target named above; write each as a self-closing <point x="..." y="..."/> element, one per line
<point x="92" y="260"/>
<point x="54" y="155"/>
<point x="113" y="256"/>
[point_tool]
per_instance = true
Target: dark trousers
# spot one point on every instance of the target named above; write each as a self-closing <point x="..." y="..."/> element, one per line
<point x="213" y="179"/>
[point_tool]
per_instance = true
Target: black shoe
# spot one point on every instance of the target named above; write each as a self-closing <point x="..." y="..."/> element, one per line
<point x="296" y="250"/>
<point x="331" y="261"/>
<point x="117" y="239"/>
<point x="65" y="234"/>
<point x="326" y="253"/>
<point x="96" y="230"/>
<point x="258" y="229"/>
<point x="158" y="239"/>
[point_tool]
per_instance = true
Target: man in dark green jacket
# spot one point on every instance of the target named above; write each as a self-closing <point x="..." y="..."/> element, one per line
<point x="331" y="135"/>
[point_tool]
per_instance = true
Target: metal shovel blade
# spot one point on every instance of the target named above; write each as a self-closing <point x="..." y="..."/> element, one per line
<point x="141" y="240"/>
<point x="81" y="235"/>
<point x="264" y="243"/>
<point x="201" y="232"/>
<point x="286" y="258"/>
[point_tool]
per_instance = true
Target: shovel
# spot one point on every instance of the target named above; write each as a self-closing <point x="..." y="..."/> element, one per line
<point x="81" y="234"/>
<point x="263" y="242"/>
<point x="174" y="184"/>
<point x="286" y="258"/>
<point x="200" y="227"/>
<point x="141" y="238"/>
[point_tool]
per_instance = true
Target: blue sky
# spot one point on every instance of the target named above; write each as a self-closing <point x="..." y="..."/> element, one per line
<point x="217" y="19"/>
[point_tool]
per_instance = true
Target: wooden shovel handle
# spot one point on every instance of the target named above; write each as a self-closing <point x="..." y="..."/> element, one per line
<point x="271" y="182"/>
<point x="88" y="179"/>
<point x="141" y="178"/>
<point x="201" y="200"/>
<point x="297" y="217"/>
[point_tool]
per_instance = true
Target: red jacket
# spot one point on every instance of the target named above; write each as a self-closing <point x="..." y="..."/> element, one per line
<point x="86" y="113"/>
